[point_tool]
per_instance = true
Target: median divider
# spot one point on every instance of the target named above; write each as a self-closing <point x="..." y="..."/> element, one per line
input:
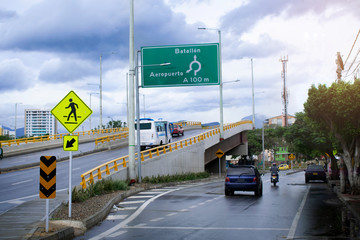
<point x="96" y="173"/>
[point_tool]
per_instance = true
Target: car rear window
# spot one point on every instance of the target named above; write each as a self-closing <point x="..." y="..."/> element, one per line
<point x="315" y="168"/>
<point x="240" y="170"/>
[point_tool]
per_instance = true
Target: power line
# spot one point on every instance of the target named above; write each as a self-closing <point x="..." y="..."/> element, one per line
<point x="352" y="47"/>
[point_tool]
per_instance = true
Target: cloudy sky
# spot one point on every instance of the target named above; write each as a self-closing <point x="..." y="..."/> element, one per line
<point x="49" y="47"/>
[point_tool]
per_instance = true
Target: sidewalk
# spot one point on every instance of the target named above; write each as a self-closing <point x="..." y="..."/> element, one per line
<point x="20" y="222"/>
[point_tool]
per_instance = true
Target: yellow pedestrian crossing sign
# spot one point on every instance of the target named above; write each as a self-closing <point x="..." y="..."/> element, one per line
<point x="71" y="111"/>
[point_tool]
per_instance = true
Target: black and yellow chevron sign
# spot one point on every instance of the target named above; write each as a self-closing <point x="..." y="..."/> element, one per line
<point x="47" y="177"/>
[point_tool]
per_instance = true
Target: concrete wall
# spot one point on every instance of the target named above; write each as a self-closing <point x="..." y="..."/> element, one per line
<point x="188" y="159"/>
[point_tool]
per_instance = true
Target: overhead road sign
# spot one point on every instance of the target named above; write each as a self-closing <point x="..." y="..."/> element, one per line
<point x="190" y="65"/>
<point x="47" y="177"/>
<point x="71" y="111"/>
<point x="71" y="143"/>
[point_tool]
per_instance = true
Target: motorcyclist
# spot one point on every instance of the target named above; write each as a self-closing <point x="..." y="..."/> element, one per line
<point x="274" y="170"/>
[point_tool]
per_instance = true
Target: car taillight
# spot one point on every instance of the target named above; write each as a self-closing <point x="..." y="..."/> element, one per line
<point x="254" y="179"/>
<point x="227" y="179"/>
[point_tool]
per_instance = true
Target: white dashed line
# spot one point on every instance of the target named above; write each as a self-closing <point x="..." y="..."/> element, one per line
<point x="116" y="217"/>
<point x="142" y="196"/>
<point x="131" y="202"/>
<point x="156" y="219"/>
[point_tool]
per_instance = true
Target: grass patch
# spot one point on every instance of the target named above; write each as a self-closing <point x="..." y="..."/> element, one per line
<point x="176" y="178"/>
<point x="100" y="187"/>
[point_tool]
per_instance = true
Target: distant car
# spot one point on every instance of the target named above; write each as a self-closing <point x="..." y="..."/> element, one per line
<point x="315" y="172"/>
<point x="243" y="178"/>
<point x="284" y="167"/>
<point x="178" y="130"/>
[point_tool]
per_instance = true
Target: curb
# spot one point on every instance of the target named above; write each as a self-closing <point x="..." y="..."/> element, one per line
<point x="346" y="203"/>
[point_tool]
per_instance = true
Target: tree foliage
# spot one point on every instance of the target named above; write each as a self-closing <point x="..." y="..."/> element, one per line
<point x="336" y="109"/>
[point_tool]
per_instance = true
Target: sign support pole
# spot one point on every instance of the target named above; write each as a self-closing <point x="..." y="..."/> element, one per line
<point x="70" y="177"/>
<point x="47" y="215"/>
<point x="219" y="167"/>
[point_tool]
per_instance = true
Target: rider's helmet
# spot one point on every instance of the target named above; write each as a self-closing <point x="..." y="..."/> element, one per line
<point x="274" y="164"/>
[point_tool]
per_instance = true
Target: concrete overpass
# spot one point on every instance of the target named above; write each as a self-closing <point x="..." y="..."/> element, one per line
<point x="194" y="154"/>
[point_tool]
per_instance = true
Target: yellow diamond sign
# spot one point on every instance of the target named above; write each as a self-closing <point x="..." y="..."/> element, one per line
<point x="219" y="153"/>
<point x="71" y="111"/>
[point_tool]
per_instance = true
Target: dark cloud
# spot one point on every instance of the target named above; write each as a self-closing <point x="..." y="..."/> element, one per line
<point x="58" y="70"/>
<point x="92" y="27"/>
<point x="14" y="75"/>
<point x="5" y="15"/>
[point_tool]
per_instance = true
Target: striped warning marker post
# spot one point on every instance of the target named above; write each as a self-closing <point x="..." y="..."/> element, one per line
<point x="47" y="182"/>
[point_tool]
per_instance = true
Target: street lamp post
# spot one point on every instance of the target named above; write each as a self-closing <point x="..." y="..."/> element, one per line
<point x="138" y="110"/>
<point x="220" y="86"/>
<point x="100" y="86"/>
<point x="253" y="95"/>
<point x="90" y="108"/>
<point x="16" y="116"/>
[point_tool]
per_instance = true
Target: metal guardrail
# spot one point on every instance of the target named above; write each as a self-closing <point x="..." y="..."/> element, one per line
<point x="57" y="136"/>
<point x="96" y="173"/>
<point x="111" y="137"/>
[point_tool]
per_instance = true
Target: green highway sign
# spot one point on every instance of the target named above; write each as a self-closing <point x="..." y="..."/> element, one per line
<point x="189" y="65"/>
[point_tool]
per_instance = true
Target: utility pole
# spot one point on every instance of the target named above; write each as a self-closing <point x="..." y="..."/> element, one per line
<point x="284" y="93"/>
<point x="340" y="66"/>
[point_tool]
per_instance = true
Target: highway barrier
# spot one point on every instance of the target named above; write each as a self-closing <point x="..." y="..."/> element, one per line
<point x="97" y="173"/>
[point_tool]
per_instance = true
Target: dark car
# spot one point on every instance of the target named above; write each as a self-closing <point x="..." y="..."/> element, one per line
<point x="243" y="178"/>
<point x="178" y="130"/>
<point x="315" y="172"/>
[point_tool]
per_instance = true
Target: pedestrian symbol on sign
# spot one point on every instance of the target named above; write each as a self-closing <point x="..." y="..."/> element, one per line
<point x="71" y="111"/>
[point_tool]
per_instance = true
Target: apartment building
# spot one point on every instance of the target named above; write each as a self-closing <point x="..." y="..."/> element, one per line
<point x="39" y="123"/>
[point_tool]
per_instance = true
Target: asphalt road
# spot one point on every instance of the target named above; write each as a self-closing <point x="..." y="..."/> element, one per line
<point x="291" y="210"/>
<point x="21" y="186"/>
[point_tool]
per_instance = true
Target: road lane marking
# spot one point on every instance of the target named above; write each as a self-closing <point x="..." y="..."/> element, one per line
<point x="142" y="196"/>
<point x="125" y="208"/>
<point x="116" y="217"/>
<point x="208" y="228"/>
<point x="29" y="180"/>
<point x="156" y="219"/>
<point x="130" y="218"/>
<point x="295" y="222"/>
<point x="116" y="234"/>
<point x="171" y="214"/>
<point x="131" y="202"/>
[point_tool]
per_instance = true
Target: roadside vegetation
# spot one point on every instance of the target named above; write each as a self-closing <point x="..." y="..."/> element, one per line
<point x="105" y="186"/>
<point x="328" y="128"/>
<point x="100" y="187"/>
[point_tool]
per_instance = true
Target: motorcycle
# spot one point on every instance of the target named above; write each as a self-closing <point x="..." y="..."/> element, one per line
<point x="274" y="178"/>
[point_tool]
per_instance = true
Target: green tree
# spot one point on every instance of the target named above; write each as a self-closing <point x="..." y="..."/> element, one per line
<point x="337" y="109"/>
<point x="305" y="137"/>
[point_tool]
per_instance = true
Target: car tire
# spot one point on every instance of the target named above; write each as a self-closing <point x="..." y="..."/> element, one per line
<point x="306" y="180"/>
<point x="227" y="192"/>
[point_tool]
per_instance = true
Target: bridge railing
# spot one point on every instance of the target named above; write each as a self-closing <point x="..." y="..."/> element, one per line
<point x="96" y="173"/>
<point x="19" y="141"/>
<point x="111" y="137"/>
<point x="114" y="165"/>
